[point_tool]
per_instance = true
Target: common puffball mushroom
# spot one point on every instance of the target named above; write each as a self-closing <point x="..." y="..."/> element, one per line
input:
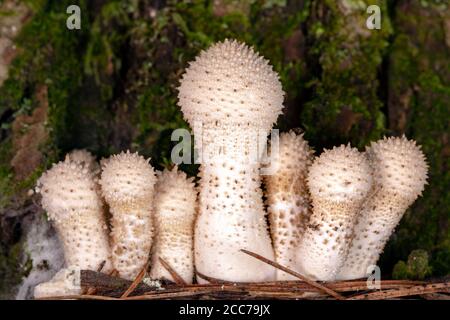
<point x="175" y="208"/>
<point x="400" y="174"/>
<point x="231" y="96"/>
<point x="70" y="197"/>
<point x="127" y="183"/>
<point x="339" y="181"/>
<point x="288" y="199"/>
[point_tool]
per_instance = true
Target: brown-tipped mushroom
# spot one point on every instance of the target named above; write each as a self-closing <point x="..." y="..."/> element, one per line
<point x="288" y="199"/>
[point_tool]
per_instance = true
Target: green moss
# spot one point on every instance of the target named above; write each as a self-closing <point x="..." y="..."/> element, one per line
<point x="420" y="92"/>
<point x="416" y="268"/>
<point x="12" y="269"/>
<point x="349" y="58"/>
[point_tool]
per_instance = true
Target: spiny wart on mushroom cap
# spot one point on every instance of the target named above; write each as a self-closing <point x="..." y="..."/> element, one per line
<point x="400" y="166"/>
<point x="288" y="198"/>
<point x="70" y="197"/>
<point x="127" y="177"/>
<point x="127" y="182"/>
<point x="339" y="181"/>
<point x="400" y="174"/>
<point x="175" y="208"/>
<point x="230" y="82"/>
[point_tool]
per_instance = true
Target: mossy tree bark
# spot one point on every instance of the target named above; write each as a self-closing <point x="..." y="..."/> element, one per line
<point x="112" y="86"/>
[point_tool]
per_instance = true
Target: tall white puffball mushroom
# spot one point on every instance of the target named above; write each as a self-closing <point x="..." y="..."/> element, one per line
<point x="400" y="174"/>
<point x="288" y="199"/>
<point x="339" y="181"/>
<point x="175" y="208"/>
<point x="127" y="183"/>
<point x="231" y="96"/>
<point x="70" y="198"/>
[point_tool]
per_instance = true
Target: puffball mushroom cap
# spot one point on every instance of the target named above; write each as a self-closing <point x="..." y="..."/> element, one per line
<point x="340" y="174"/>
<point x="67" y="189"/>
<point x="127" y="178"/>
<point x="230" y="82"/>
<point x="175" y="209"/>
<point x="401" y="166"/>
<point x="168" y="204"/>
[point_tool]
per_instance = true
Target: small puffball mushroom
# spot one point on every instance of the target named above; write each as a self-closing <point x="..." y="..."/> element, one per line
<point x="70" y="197"/>
<point x="231" y="96"/>
<point x="400" y="174"/>
<point x="339" y="181"/>
<point x="127" y="183"/>
<point x="85" y="158"/>
<point x="175" y="208"/>
<point x="288" y="198"/>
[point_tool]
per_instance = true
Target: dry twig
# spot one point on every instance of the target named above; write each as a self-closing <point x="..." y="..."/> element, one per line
<point x="312" y="283"/>
<point x="176" y="277"/>
<point x="136" y="281"/>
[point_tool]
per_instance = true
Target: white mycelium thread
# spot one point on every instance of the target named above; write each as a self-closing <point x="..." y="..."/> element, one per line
<point x="229" y="95"/>
<point x="127" y="183"/>
<point x="339" y="181"/>
<point x="175" y="208"/>
<point x="400" y="174"/>
<point x="288" y="199"/>
<point x="70" y="197"/>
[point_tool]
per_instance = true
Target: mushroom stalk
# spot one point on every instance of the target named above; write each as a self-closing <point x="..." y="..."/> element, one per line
<point x="400" y="174"/>
<point x="339" y="181"/>
<point x="175" y="207"/>
<point x="231" y="97"/>
<point x="127" y="183"/>
<point x="288" y="199"/>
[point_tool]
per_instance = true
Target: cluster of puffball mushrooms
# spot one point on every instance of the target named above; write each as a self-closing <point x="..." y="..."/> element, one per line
<point x="329" y="217"/>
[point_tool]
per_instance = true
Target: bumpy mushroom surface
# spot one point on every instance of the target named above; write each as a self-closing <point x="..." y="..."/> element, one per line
<point x="339" y="181"/>
<point x="231" y="96"/>
<point x="400" y="174"/>
<point x="127" y="183"/>
<point x="288" y="199"/>
<point x="175" y="208"/>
